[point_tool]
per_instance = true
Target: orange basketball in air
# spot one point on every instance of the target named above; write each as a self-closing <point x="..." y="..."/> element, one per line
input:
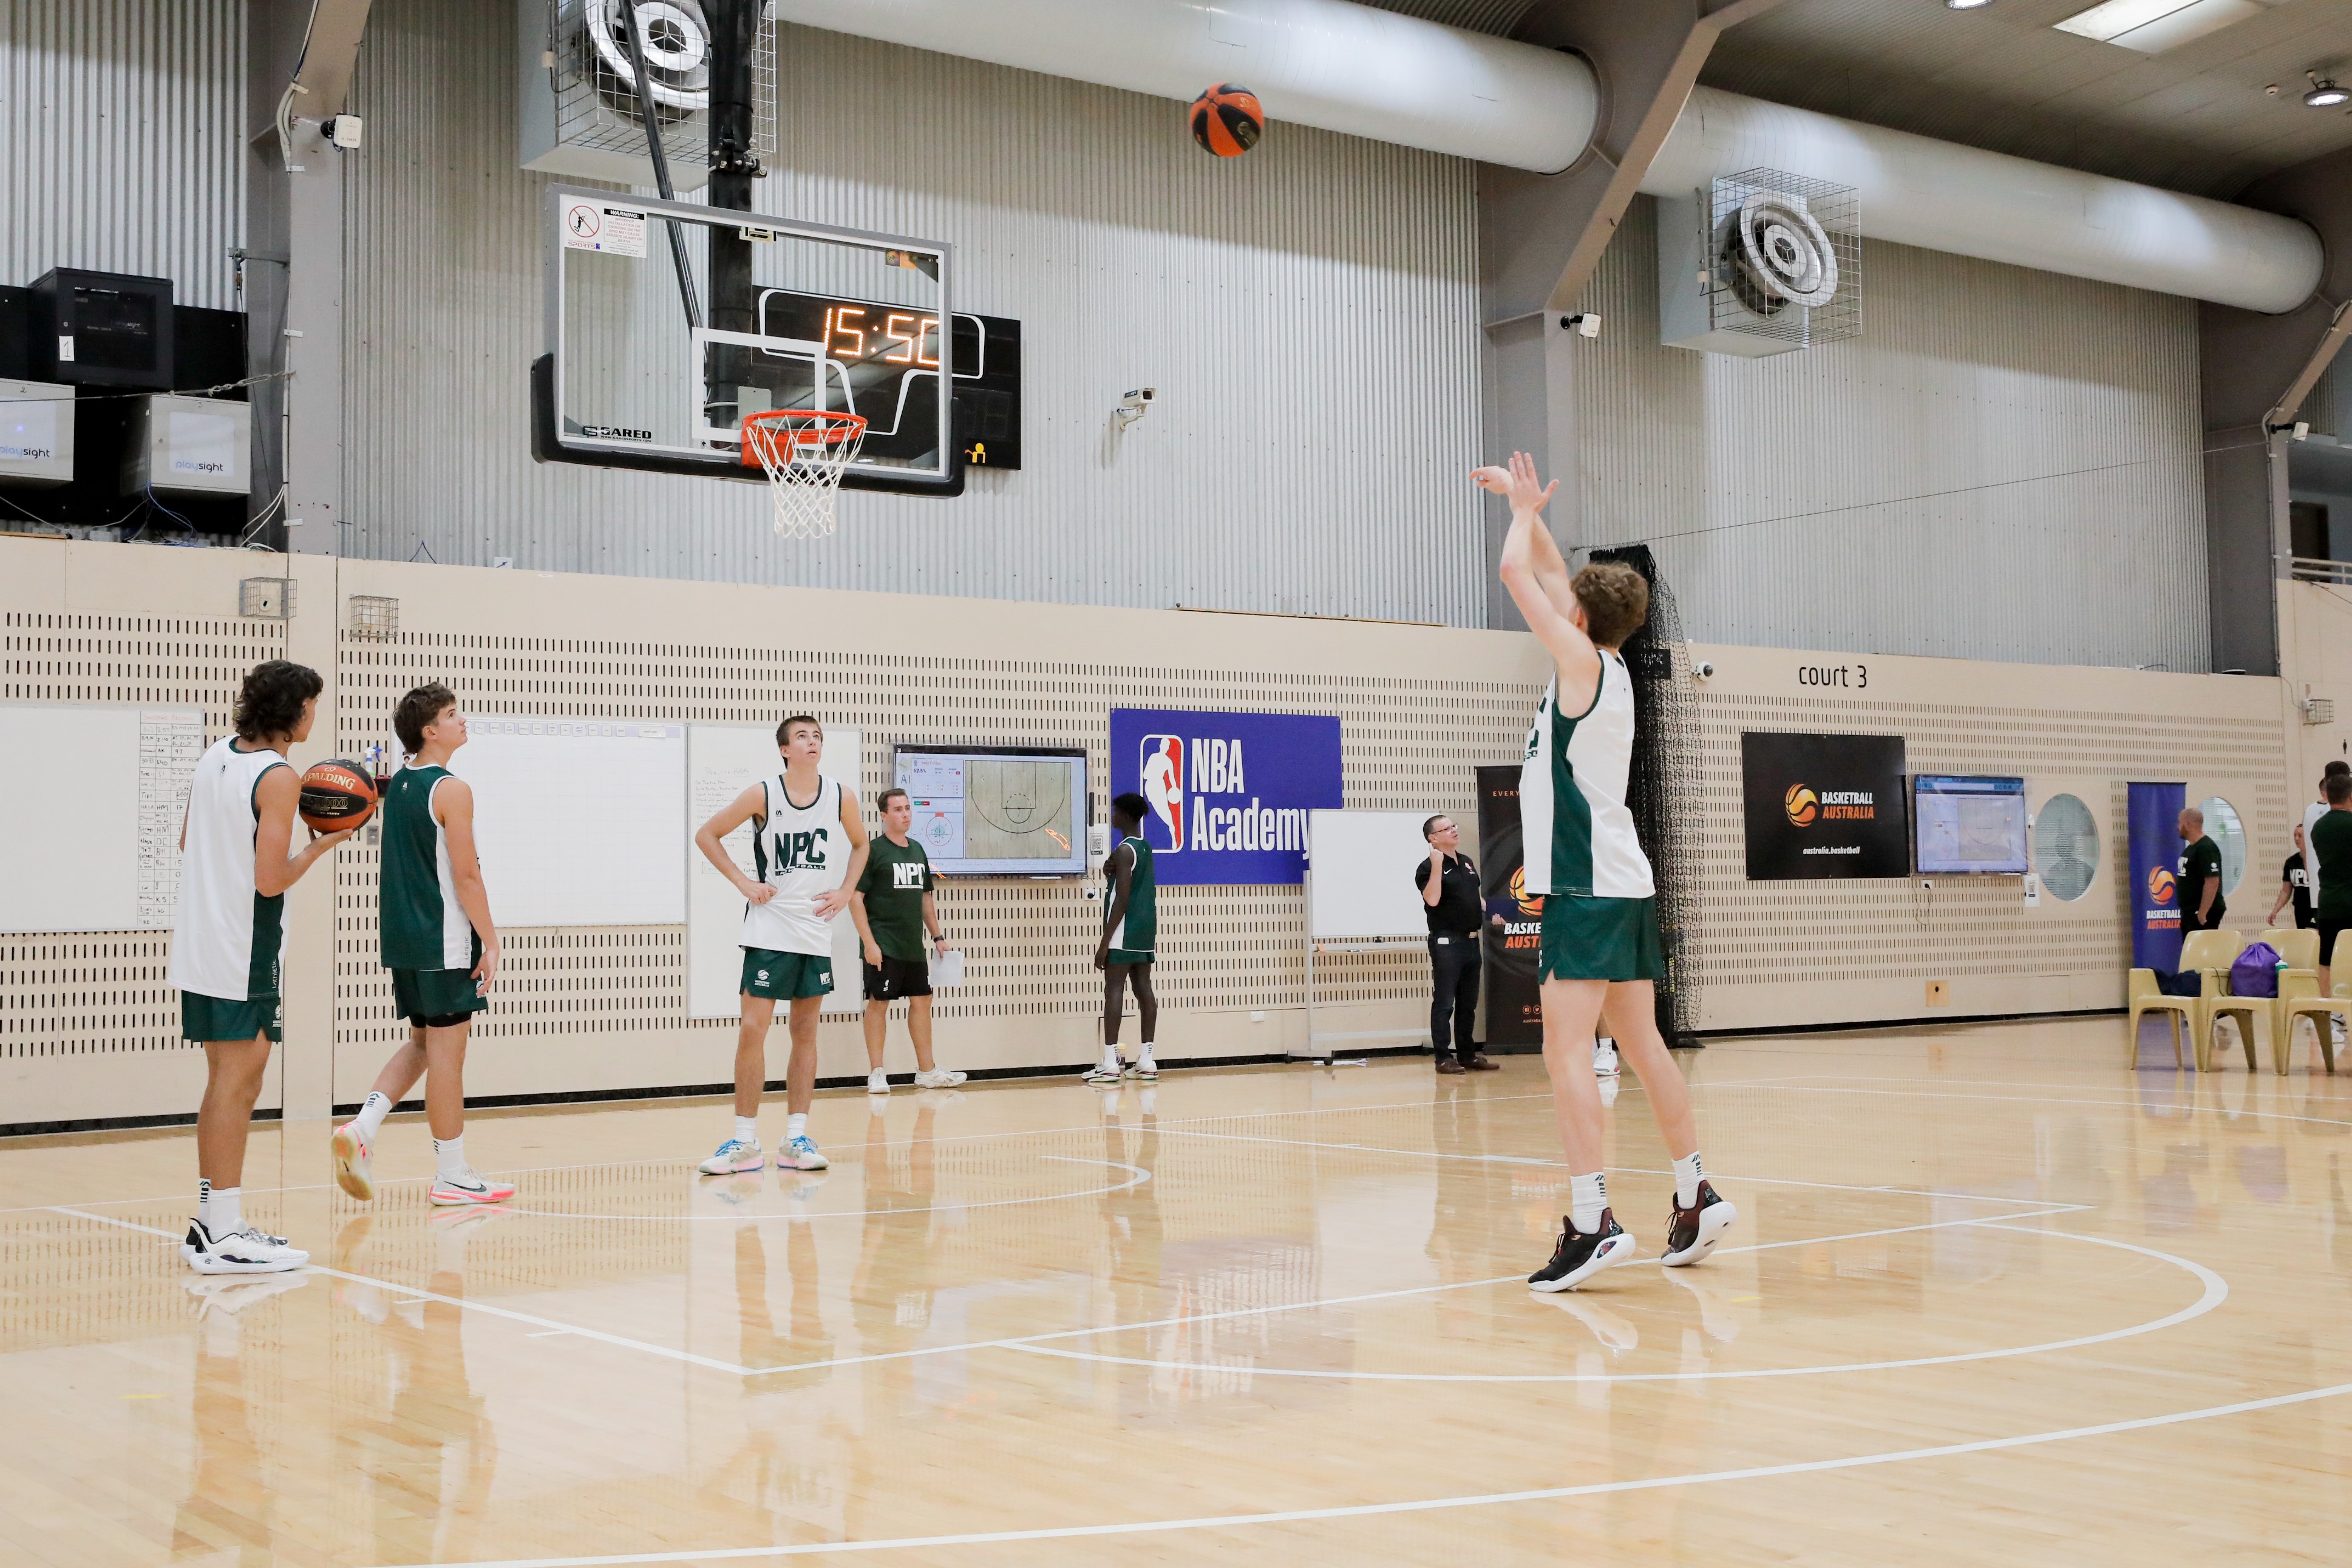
<point x="1227" y="121"/>
<point x="337" y="795"/>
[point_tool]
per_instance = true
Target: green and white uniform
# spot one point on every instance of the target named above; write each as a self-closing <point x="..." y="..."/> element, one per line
<point x="228" y="940"/>
<point x="800" y="852"/>
<point x="1132" y="939"/>
<point x="427" y="943"/>
<point x="1582" y="853"/>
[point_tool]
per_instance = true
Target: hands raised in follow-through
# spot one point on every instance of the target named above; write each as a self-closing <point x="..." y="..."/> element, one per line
<point x="1516" y="484"/>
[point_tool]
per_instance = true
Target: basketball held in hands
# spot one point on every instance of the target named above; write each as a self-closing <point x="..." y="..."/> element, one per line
<point x="336" y="796"/>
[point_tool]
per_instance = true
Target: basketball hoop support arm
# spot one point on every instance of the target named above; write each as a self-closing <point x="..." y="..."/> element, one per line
<point x="734" y="43"/>
<point x="652" y="123"/>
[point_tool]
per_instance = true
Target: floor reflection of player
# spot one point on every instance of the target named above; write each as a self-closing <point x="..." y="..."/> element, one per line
<point x="230" y="1504"/>
<point x="1131" y="1238"/>
<point x="895" y="1238"/>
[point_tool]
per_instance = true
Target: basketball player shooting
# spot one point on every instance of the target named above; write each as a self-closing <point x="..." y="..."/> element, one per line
<point x="1600" y="954"/>
<point x="809" y="850"/>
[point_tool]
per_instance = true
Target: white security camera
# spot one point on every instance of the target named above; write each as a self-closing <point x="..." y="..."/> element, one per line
<point x="1135" y="405"/>
<point x="1586" y="324"/>
<point x="344" y="130"/>
<point x="1703" y="670"/>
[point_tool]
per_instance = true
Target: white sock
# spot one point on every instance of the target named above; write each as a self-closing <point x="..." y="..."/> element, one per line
<point x="449" y="1156"/>
<point x="747" y="1129"/>
<point x="1586" y="1196"/>
<point x="204" y="1203"/>
<point x="1686" y="1179"/>
<point x="1144" y="1054"/>
<point x="1110" y="1059"/>
<point x="796" y="1127"/>
<point x="227" y="1207"/>
<point x="372" y="1111"/>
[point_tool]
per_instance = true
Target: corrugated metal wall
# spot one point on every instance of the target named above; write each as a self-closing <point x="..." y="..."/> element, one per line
<point x="118" y="145"/>
<point x="2004" y="466"/>
<point x="1309" y="314"/>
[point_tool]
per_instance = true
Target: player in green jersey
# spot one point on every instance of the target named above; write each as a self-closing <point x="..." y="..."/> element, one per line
<point x="896" y="903"/>
<point x="440" y="946"/>
<point x="1130" y="930"/>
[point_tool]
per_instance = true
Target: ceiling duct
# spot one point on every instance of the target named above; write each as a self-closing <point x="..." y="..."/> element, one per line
<point x="1762" y="262"/>
<point x="581" y="114"/>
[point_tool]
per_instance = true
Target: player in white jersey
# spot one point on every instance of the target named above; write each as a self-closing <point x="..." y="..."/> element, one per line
<point x="808" y="851"/>
<point x="228" y="938"/>
<point x="1600" y="954"/>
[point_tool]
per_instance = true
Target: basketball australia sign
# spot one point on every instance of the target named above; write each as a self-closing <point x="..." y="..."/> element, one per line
<point x="1229" y="791"/>
<point x="1825" y="805"/>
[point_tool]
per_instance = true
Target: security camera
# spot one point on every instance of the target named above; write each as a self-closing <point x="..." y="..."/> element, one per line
<point x="1703" y="670"/>
<point x="344" y="130"/>
<point x="1585" y="324"/>
<point x="1134" y="405"/>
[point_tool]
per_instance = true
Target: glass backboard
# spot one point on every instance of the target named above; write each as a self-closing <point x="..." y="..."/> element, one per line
<point x="802" y="316"/>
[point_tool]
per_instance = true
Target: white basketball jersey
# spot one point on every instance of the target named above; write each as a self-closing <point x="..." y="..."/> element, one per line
<point x="1578" y="834"/>
<point x="800" y="852"/>
<point x="226" y="940"/>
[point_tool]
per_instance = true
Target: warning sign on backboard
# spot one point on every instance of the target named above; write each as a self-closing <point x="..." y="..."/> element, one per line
<point x="593" y="225"/>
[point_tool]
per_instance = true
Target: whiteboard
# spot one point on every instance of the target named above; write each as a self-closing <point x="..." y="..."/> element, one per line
<point x="1359" y="874"/>
<point x="573" y="818"/>
<point x="93" y="815"/>
<point x="722" y="761"/>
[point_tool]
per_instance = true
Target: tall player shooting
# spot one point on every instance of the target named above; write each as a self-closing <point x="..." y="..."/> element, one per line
<point x="228" y="936"/>
<point x="1129" y="934"/>
<point x="809" y="849"/>
<point x="1601" y="954"/>
<point x="442" y="949"/>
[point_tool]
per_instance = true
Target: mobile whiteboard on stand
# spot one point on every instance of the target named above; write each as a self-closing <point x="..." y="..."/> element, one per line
<point x="1360" y="898"/>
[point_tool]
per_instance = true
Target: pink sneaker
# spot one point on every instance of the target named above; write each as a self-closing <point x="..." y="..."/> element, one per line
<point x="353" y="1157"/>
<point x="471" y="1185"/>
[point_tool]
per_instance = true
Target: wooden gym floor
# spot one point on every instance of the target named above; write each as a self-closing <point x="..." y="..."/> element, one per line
<point x="1992" y="1298"/>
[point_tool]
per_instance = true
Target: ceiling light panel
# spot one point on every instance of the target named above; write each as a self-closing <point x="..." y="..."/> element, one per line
<point x="2152" y="27"/>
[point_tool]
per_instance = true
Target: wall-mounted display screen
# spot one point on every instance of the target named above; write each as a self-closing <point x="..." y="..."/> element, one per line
<point x="1967" y="825"/>
<point x="998" y="810"/>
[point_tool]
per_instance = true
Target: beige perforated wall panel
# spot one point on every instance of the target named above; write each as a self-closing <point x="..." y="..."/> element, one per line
<point x="1782" y="953"/>
<point x="87" y="1029"/>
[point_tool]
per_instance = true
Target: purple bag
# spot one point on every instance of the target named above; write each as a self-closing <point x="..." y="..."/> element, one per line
<point x="2255" y="974"/>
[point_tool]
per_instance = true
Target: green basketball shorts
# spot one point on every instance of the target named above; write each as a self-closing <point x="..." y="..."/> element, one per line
<point x="1600" y="939"/>
<point x="786" y="977"/>
<point x="216" y="1018"/>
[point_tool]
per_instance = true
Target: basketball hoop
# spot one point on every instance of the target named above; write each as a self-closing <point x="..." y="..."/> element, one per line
<point x="805" y="452"/>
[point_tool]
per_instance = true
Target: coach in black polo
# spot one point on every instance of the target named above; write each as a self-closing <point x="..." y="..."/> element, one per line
<point x="1450" y="896"/>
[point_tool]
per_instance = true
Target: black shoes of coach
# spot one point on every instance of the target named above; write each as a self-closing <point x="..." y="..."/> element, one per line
<point x="1583" y="1254"/>
<point x="1694" y="1230"/>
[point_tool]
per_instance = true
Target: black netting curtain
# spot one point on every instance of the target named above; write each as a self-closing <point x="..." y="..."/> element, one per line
<point x="1663" y="789"/>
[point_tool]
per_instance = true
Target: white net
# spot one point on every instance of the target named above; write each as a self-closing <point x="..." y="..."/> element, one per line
<point x="804" y="452"/>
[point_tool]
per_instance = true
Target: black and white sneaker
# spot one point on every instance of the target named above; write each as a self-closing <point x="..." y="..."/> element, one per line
<point x="1583" y="1254"/>
<point x="243" y="1251"/>
<point x="1694" y="1230"/>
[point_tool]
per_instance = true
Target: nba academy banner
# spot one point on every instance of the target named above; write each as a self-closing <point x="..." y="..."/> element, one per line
<point x="1229" y="791"/>
<point x="1514" y="996"/>
<point x="2152" y="831"/>
<point x="1825" y="805"/>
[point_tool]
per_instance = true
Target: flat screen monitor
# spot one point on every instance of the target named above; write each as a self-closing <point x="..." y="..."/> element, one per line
<point x="998" y="810"/>
<point x="1969" y="825"/>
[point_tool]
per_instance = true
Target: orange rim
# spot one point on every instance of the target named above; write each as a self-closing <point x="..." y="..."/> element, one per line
<point x="822" y="427"/>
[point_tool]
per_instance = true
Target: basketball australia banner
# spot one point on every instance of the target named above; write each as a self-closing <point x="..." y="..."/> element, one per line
<point x="1514" y="995"/>
<point x="1825" y="805"/>
<point x="1229" y="791"/>
<point x="2152" y="831"/>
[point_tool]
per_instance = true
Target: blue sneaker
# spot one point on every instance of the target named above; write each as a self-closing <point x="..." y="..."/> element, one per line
<point x="801" y="1155"/>
<point x="733" y="1156"/>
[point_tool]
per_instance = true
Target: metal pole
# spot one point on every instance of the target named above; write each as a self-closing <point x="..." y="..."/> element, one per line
<point x="661" y="164"/>
<point x="734" y="45"/>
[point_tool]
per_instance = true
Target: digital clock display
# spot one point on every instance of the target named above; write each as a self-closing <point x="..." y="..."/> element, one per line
<point x="884" y="363"/>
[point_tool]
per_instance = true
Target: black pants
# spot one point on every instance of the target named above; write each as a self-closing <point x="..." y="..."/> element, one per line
<point x="1453" y="967"/>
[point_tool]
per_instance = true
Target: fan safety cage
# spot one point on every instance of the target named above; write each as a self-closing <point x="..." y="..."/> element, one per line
<point x="595" y="91"/>
<point x="1784" y="257"/>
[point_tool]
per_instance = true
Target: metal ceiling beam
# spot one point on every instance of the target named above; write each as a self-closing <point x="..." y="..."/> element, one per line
<point x="1541" y="236"/>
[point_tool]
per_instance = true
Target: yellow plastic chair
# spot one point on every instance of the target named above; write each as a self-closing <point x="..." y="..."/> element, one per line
<point x="2299" y="997"/>
<point x="2209" y="953"/>
<point x="2299" y="979"/>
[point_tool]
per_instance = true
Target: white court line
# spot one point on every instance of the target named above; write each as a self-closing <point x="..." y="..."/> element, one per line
<point x="415" y="1294"/>
<point x="2216" y="1292"/>
<point x="2046" y="1100"/>
<point x="1421" y="1505"/>
<point x="1137" y="1177"/>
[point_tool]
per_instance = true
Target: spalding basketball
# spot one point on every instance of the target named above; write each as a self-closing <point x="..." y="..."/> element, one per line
<point x="1227" y="121"/>
<point x="337" y="795"/>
